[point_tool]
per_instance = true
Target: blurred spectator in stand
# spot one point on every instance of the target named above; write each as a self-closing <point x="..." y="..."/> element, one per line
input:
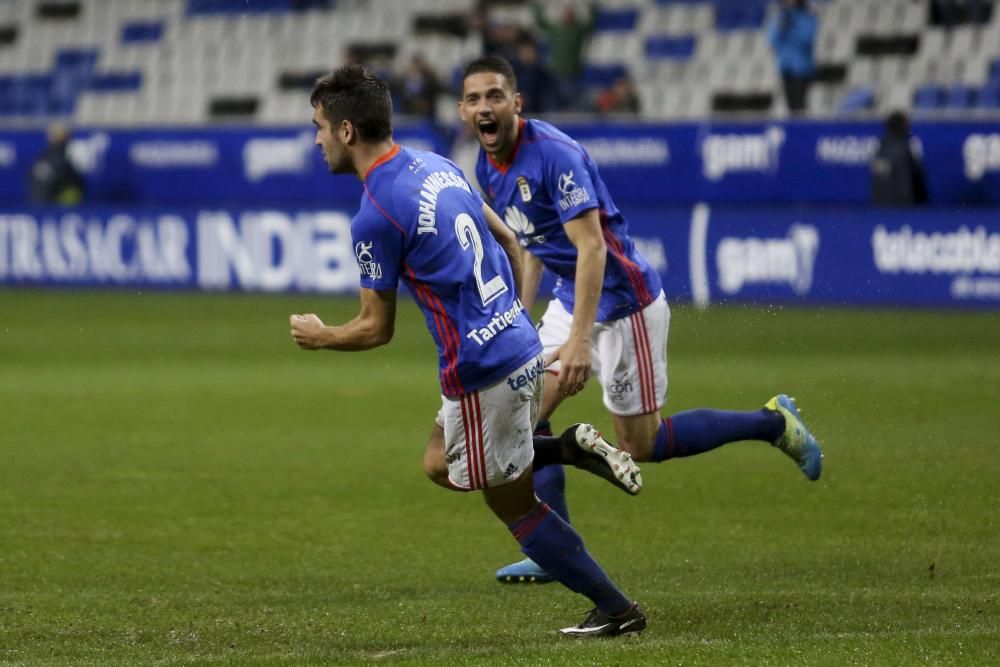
<point x="499" y="38"/>
<point x="417" y="89"/>
<point x="949" y="13"/>
<point x="566" y="40"/>
<point x="897" y="173"/>
<point x="945" y="12"/>
<point x="621" y="97"/>
<point x="792" y="34"/>
<point x="535" y="80"/>
<point x="53" y="179"/>
<point x="978" y="11"/>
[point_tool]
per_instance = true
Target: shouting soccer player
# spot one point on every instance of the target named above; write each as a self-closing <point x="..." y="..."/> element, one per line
<point x="609" y="317"/>
<point x="420" y="221"/>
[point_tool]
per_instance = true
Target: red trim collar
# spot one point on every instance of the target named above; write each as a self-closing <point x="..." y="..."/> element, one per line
<point x="382" y="159"/>
<point x="503" y="167"/>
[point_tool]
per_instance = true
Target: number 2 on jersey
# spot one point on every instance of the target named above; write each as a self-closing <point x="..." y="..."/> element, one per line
<point x="465" y="229"/>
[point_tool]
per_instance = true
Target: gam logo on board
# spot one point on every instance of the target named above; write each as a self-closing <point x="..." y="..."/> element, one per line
<point x="87" y="153"/>
<point x="723" y="154"/>
<point x="981" y="153"/>
<point x="769" y="261"/>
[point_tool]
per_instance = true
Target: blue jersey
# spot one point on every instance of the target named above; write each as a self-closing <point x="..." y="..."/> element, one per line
<point x="549" y="180"/>
<point x="421" y="221"/>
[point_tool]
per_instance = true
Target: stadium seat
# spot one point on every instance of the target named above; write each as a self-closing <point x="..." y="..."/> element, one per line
<point x="665" y="46"/>
<point x="160" y="49"/>
<point x="115" y="81"/>
<point x="739" y="14"/>
<point x="928" y="97"/>
<point x="602" y="76"/>
<point x="141" y="32"/>
<point x="989" y="96"/>
<point x="960" y="97"/>
<point x="616" y="19"/>
<point x="857" y="99"/>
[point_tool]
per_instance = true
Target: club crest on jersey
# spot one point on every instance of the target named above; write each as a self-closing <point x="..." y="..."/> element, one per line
<point x="522" y="185"/>
<point x="572" y="193"/>
<point x="366" y="260"/>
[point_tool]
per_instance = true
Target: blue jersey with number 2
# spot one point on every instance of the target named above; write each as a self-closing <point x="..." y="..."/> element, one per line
<point x="421" y="221"/>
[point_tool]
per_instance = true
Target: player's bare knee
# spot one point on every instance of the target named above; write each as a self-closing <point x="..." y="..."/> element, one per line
<point x="434" y="467"/>
<point x="434" y="464"/>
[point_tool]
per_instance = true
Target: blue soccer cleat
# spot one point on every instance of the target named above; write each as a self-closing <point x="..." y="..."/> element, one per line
<point x="797" y="441"/>
<point x="526" y="571"/>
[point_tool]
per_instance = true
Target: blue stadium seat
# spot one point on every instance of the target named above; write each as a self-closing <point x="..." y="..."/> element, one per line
<point x="616" y="19"/>
<point x="602" y="76"/>
<point x="666" y="46"/>
<point x="928" y="97"/>
<point x="141" y="32"/>
<point x="961" y="97"/>
<point x="66" y="85"/>
<point x="857" y="99"/>
<point x="80" y="59"/>
<point x="6" y="95"/>
<point x="30" y="94"/>
<point x="254" y="7"/>
<point x="739" y="14"/>
<point x="989" y="96"/>
<point x="995" y="71"/>
<point x="115" y="81"/>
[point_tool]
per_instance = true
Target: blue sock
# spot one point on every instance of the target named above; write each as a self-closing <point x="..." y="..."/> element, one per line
<point x="553" y="544"/>
<point x="698" y="431"/>
<point x="550" y="487"/>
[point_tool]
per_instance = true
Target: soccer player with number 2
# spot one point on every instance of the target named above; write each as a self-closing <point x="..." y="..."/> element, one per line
<point x="421" y="222"/>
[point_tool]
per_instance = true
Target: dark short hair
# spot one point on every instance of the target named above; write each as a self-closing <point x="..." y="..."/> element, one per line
<point x="354" y="93"/>
<point x="492" y="65"/>
<point x="898" y="124"/>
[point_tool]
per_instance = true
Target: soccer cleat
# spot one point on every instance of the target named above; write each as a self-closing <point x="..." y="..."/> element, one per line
<point x="526" y="571"/>
<point x="797" y="441"/>
<point x="599" y="624"/>
<point x="596" y="455"/>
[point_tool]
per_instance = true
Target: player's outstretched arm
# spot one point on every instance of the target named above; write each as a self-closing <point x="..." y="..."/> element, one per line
<point x="372" y="327"/>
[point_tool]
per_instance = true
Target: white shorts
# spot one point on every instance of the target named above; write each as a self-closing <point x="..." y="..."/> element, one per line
<point x="488" y="433"/>
<point x="628" y="355"/>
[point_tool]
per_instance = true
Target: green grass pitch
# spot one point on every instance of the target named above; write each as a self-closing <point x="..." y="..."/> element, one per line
<point x="179" y="484"/>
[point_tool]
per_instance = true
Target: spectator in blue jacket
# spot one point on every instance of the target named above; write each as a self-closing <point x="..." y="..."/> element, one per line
<point x="792" y="33"/>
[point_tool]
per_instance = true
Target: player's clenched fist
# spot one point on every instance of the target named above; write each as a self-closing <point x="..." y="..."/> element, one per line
<point x="307" y="330"/>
